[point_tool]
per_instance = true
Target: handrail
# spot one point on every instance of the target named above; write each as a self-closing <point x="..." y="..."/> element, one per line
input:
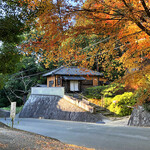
<point x="81" y="95"/>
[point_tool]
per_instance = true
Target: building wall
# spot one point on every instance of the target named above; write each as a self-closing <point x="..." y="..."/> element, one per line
<point x="95" y="79"/>
<point x="51" y="78"/>
<point x="102" y="79"/>
<point x="58" y="85"/>
<point x="89" y="82"/>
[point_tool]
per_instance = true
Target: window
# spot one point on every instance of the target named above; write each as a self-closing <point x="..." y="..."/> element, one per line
<point x="87" y="82"/>
<point x="51" y="83"/>
<point x="58" y="81"/>
<point x="74" y="86"/>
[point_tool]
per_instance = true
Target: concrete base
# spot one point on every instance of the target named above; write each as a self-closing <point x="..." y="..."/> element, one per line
<point x="59" y="91"/>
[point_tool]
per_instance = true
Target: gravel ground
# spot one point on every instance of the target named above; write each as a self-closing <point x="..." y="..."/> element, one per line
<point x="13" y="139"/>
<point x="117" y="121"/>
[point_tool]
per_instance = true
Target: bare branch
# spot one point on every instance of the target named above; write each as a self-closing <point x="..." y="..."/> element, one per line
<point x="7" y="95"/>
<point x="15" y="94"/>
<point x="19" y="91"/>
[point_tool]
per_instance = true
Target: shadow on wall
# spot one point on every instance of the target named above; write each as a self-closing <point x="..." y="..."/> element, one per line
<point x="55" y="107"/>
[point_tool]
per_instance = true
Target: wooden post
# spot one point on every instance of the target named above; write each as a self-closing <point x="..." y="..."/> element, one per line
<point x="80" y="86"/>
<point x="13" y="112"/>
<point x="55" y="80"/>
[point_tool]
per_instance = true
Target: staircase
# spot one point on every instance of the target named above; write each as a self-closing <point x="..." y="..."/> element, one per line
<point x="102" y="110"/>
<point x="97" y="109"/>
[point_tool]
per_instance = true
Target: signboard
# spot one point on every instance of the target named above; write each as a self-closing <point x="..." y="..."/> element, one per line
<point x="13" y="110"/>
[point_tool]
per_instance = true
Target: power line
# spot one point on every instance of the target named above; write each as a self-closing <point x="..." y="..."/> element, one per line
<point x="22" y="71"/>
<point x="51" y="70"/>
<point x="66" y="55"/>
<point x="74" y="61"/>
<point x="32" y="75"/>
<point x="66" y="64"/>
<point x="101" y="41"/>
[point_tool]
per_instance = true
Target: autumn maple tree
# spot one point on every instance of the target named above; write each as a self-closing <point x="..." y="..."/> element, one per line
<point x="123" y="24"/>
<point x="120" y="21"/>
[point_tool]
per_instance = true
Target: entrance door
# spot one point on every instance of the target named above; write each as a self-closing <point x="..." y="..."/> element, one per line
<point x="74" y="86"/>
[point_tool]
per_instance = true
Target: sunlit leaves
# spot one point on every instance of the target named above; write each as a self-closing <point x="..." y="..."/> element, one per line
<point x="124" y="22"/>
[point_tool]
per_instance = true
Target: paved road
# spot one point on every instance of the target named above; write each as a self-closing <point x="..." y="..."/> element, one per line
<point x="101" y="137"/>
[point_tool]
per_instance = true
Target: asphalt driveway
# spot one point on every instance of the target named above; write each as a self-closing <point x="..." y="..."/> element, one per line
<point x="92" y="135"/>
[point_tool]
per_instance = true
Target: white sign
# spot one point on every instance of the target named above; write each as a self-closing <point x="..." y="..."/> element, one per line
<point x="13" y="110"/>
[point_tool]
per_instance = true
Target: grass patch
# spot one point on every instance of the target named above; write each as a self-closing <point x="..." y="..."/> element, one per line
<point x="18" y="109"/>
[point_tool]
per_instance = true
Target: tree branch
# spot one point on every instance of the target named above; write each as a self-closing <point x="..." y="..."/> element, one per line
<point x="15" y="94"/>
<point x="7" y="96"/>
<point x="145" y="7"/>
<point x="135" y="20"/>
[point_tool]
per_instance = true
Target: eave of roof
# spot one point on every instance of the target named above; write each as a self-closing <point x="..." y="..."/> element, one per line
<point x="73" y="78"/>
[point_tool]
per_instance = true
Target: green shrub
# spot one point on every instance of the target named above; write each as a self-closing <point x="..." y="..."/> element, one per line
<point x="112" y="90"/>
<point x="2" y="105"/>
<point x="119" y="104"/>
<point x="106" y="96"/>
<point x="107" y="101"/>
<point x="18" y="109"/>
<point x="4" y="102"/>
<point x="94" y="92"/>
<point x="106" y="91"/>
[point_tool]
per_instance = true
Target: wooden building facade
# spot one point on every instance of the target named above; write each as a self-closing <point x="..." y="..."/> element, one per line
<point x="74" y="79"/>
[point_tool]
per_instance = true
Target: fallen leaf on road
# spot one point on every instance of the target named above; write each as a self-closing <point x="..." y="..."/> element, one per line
<point x="3" y="145"/>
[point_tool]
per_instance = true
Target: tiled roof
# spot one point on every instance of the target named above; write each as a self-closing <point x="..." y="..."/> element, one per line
<point x="73" y="71"/>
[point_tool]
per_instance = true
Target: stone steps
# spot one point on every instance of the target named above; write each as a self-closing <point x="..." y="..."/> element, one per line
<point x="97" y="109"/>
<point x="102" y="110"/>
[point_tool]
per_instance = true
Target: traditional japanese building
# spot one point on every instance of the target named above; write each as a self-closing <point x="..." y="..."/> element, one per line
<point x="74" y="78"/>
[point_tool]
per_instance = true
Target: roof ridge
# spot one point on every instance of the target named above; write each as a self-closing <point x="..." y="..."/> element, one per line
<point x="57" y="69"/>
<point x="53" y="71"/>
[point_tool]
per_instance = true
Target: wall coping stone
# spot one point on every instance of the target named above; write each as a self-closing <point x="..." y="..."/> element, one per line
<point x="56" y="91"/>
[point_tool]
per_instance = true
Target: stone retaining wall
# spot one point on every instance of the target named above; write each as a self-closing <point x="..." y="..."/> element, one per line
<point x="55" y="107"/>
<point x="139" y="117"/>
<point x="59" y="91"/>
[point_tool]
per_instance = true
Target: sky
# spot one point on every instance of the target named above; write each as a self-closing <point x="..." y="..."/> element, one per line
<point x="1" y="43"/>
